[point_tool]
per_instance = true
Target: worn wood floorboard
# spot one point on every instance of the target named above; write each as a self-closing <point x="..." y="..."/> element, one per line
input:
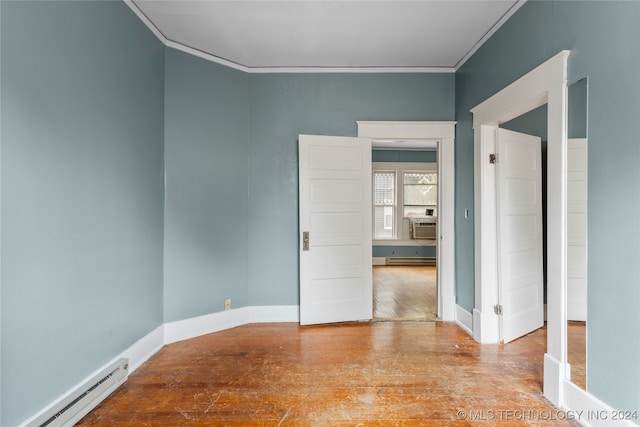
<point x="360" y="374"/>
<point x="577" y="352"/>
<point x="404" y="292"/>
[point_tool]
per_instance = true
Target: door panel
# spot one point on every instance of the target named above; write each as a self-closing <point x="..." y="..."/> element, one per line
<point x="519" y="233"/>
<point x="335" y="209"/>
<point x="577" y="229"/>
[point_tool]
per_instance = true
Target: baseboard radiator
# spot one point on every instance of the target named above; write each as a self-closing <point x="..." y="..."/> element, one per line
<point x="86" y="397"/>
<point x="411" y="261"/>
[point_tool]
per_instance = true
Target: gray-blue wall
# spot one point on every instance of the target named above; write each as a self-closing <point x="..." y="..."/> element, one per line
<point x="206" y="137"/>
<point x="282" y="106"/>
<point x="603" y="38"/>
<point x="82" y="193"/>
<point x="399" y="156"/>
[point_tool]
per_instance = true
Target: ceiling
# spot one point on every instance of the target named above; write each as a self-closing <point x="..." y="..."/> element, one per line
<point x="264" y="35"/>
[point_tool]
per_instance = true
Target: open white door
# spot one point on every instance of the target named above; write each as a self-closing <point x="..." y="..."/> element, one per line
<point x="335" y="229"/>
<point x="577" y="229"/>
<point x="519" y="233"/>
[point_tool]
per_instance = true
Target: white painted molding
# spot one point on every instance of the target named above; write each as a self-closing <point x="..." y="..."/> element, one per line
<point x="464" y="319"/>
<point x="553" y="379"/>
<point x="143" y="349"/>
<point x="444" y="133"/>
<point x="212" y="58"/>
<point x="588" y="410"/>
<point x="379" y="260"/>
<point x="490" y="33"/>
<point x="274" y="313"/>
<point x="361" y="70"/>
<point x="406" y="130"/>
<point x="137" y="354"/>
<point x="181" y="330"/>
<point x="546" y="83"/>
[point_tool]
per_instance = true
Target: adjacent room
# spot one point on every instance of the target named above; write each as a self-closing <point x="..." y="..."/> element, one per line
<point x="220" y="196"/>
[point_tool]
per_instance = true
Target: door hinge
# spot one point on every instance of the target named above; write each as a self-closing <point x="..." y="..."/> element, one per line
<point x="497" y="309"/>
<point x="493" y="159"/>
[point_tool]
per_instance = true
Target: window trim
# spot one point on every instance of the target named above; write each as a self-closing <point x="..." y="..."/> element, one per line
<point x="400" y="168"/>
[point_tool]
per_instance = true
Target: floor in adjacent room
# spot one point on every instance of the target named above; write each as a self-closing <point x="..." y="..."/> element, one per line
<point x="404" y="292"/>
<point x="354" y="374"/>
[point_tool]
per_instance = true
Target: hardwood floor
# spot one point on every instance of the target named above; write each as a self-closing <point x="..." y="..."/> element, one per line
<point x="577" y="352"/>
<point x="357" y="374"/>
<point x="404" y="292"/>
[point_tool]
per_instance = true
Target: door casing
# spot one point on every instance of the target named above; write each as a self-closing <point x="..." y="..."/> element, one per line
<point x="444" y="134"/>
<point x="546" y="84"/>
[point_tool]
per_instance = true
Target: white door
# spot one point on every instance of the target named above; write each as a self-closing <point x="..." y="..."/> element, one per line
<point x="335" y="229"/>
<point x="519" y="233"/>
<point x="577" y="229"/>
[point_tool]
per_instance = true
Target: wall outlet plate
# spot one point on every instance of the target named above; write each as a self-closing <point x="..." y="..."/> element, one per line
<point x="227" y="304"/>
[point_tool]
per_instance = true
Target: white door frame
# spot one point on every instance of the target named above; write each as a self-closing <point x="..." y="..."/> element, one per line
<point x="546" y="84"/>
<point x="444" y="133"/>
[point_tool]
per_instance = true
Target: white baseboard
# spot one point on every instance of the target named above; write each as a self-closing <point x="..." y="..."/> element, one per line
<point x="144" y="348"/>
<point x="181" y="330"/>
<point x="485" y="329"/>
<point x="588" y="410"/>
<point x="215" y="322"/>
<point x="379" y="260"/>
<point x="464" y="319"/>
<point x="274" y="313"/>
<point x="137" y="354"/>
<point x="553" y="376"/>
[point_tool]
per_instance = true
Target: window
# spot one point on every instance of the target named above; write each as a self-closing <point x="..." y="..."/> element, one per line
<point x="420" y="192"/>
<point x="384" y="204"/>
<point x="401" y="191"/>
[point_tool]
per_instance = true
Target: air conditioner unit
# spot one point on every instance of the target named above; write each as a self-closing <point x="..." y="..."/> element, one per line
<point x="423" y="228"/>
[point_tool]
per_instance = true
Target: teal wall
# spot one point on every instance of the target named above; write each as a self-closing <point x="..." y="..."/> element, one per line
<point x="84" y="220"/>
<point x="603" y="39"/>
<point x="82" y="192"/>
<point x="206" y="136"/>
<point x="282" y="106"/>
<point x="404" y="251"/>
<point x="404" y="156"/>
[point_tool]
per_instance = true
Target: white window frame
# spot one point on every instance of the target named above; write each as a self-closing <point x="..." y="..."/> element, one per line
<point x="399" y="168"/>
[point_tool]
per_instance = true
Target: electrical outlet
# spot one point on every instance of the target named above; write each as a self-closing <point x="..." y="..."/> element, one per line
<point x="227" y="304"/>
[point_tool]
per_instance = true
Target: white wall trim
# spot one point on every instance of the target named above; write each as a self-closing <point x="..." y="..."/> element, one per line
<point x="274" y="313"/>
<point x="490" y="33"/>
<point x="590" y="411"/>
<point x="547" y="83"/>
<point x="181" y="330"/>
<point x="379" y="260"/>
<point x="137" y="354"/>
<point x="444" y="133"/>
<point x="464" y="319"/>
<point x="421" y="130"/>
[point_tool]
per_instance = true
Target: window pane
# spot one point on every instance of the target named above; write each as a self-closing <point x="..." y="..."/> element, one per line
<point x="420" y="194"/>
<point x="383" y="222"/>
<point x="420" y="178"/>
<point x="384" y="188"/>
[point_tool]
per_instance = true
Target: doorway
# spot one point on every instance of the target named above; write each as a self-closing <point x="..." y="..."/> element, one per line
<point x="404" y="218"/>
<point x="545" y="84"/>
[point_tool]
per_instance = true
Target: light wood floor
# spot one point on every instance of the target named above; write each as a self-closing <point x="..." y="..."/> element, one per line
<point x="358" y="374"/>
<point x="404" y="292"/>
<point x="577" y="352"/>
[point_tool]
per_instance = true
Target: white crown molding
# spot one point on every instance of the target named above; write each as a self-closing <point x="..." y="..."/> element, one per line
<point x="490" y="33"/>
<point x="361" y="70"/>
<point x="274" y="70"/>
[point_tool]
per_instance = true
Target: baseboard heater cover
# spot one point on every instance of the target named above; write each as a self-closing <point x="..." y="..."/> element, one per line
<point x="85" y="398"/>
<point x="411" y="261"/>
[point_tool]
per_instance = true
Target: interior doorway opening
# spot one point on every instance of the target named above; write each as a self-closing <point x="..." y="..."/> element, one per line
<point x="404" y="221"/>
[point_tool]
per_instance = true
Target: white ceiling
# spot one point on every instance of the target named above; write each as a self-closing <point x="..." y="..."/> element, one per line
<point x="421" y="35"/>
